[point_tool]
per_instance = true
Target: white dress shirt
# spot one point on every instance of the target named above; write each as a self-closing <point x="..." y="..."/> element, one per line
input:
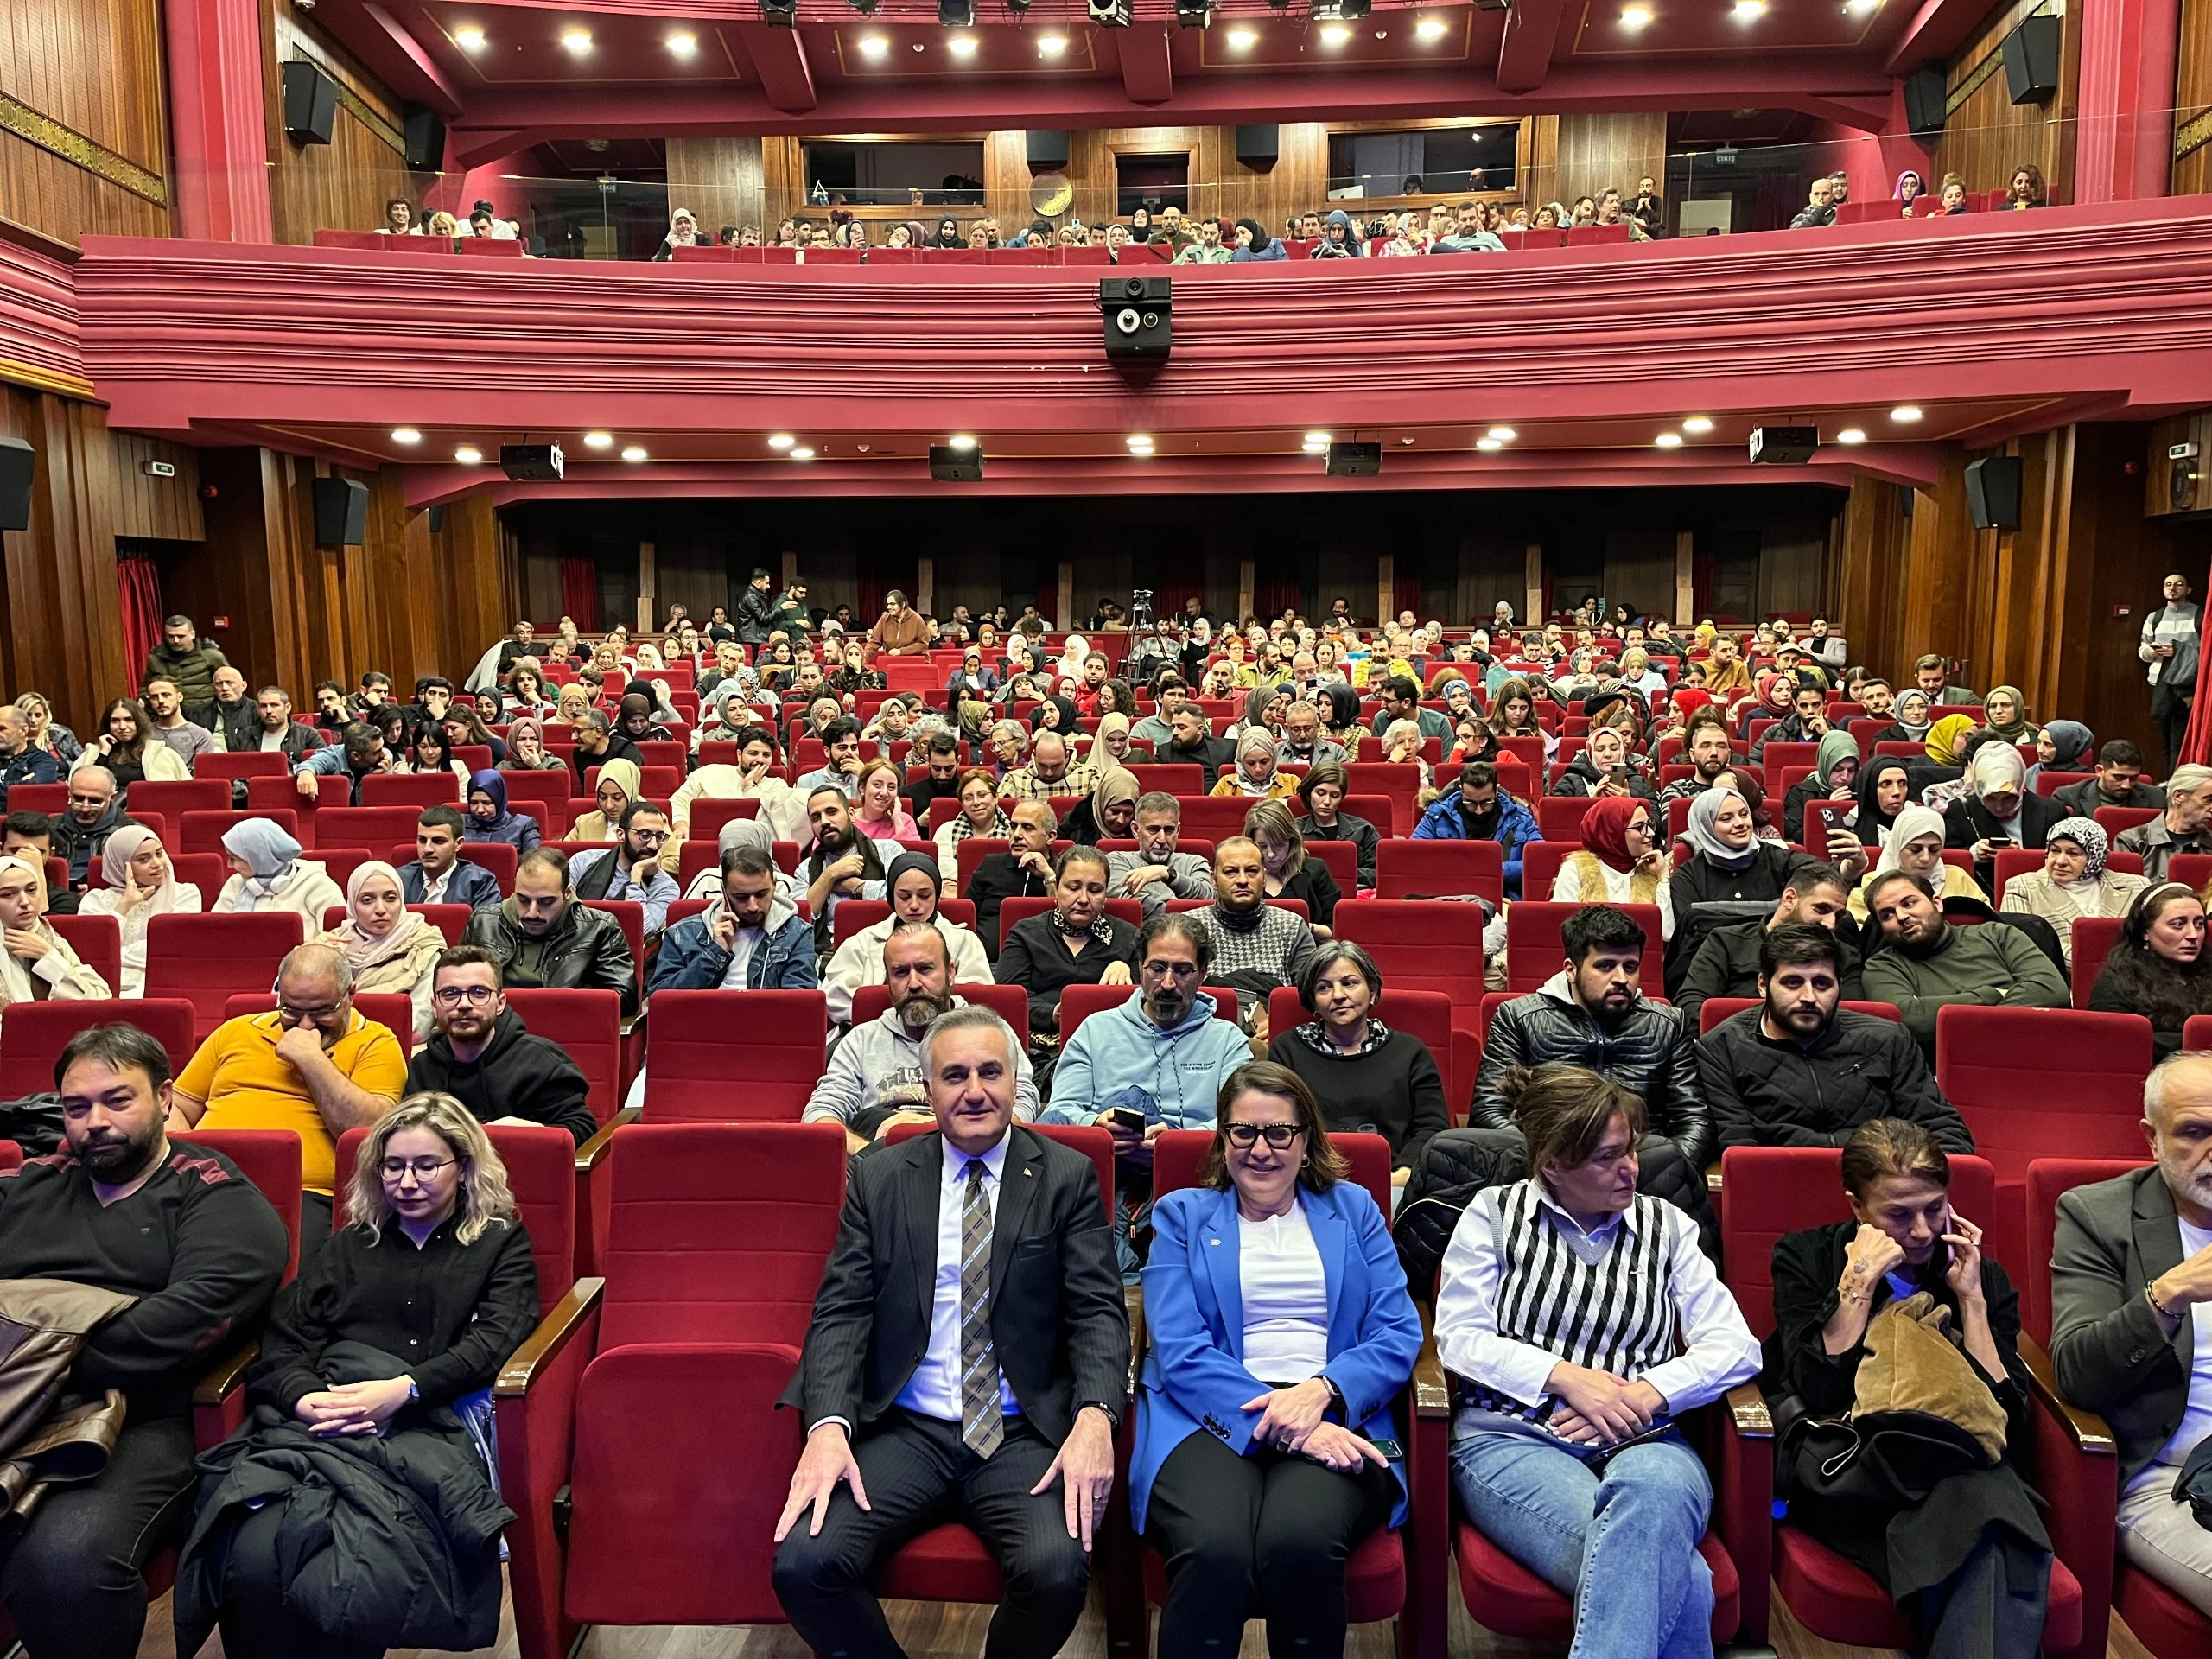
<point x="934" y="1388"/>
<point x="1285" y="1291"/>
<point x="433" y="892"/>
<point x="1717" y="1348"/>
<point x="2197" y="1413"/>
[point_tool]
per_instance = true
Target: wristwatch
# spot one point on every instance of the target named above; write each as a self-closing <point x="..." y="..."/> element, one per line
<point x="1336" y="1397"/>
<point x="1113" y="1417"/>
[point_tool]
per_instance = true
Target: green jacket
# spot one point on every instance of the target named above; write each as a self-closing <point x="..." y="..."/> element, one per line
<point x="1991" y="966"/>
<point x="194" y="671"/>
<point x="791" y="617"/>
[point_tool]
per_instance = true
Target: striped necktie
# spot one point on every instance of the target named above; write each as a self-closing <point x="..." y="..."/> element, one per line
<point x="982" y="1426"/>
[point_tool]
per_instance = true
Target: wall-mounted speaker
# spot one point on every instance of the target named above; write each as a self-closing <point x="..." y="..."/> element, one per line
<point x="2031" y="58"/>
<point x="426" y="140"/>
<point x="310" y="102"/>
<point x="1926" y="101"/>
<point x="1048" y="151"/>
<point x="948" y="465"/>
<point x="1993" y="492"/>
<point x="341" y="512"/>
<point x="17" y="462"/>
<point x="1258" y="147"/>
<point x="1140" y="317"/>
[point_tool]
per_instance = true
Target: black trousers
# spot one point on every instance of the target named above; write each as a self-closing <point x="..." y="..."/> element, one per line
<point x="256" y="1623"/>
<point x="919" y="1474"/>
<point x="73" y="1576"/>
<point x="2170" y="713"/>
<point x="315" y="1225"/>
<point x="1267" y="1533"/>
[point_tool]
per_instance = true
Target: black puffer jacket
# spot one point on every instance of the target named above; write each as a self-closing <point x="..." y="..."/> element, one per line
<point x="1580" y="777"/>
<point x="1651" y="1053"/>
<point x="1770" y="1094"/>
<point x="1727" y="965"/>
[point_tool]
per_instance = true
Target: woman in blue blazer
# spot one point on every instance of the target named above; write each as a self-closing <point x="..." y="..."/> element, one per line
<point x="1280" y="1333"/>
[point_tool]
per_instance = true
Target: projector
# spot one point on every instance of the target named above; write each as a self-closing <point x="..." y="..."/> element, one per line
<point x="1355" y="460"/>
<point x="531" y="463"/>
<point x="1783" y="445"/>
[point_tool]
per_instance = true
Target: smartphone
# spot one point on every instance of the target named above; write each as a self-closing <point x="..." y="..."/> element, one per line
<point x="1128" y="1117"/>
<point x="2000" y="841"/>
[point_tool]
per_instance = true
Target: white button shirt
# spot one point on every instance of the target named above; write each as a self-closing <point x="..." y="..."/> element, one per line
<point x="934" y="1389"/>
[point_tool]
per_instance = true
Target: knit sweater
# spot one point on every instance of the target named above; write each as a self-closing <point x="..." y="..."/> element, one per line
<point x="1394" y="1090"/>
<point x="1991" y="966"/>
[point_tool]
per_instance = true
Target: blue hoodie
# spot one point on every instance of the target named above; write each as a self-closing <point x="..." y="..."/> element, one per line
<point x="1121" y="1059"/>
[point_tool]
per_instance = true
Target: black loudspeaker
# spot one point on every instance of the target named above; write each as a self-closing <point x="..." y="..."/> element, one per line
<point x="310" y="102"/>
<point x="1355" y="460"/>
<point x="341" y="512"/>
<point x="1258" y="147"/>
<point x="951" y="465"/>
<point x="1048" y="151"/>
<point x="2031" y="58"/>
<point x="16" y="462"/>
<point x="1140" y="321"/>
<point x="437" y="520"/>
<point x="1926" y="101"/>
<point x="426" y="140"/>
<point x="1993" y="492"/>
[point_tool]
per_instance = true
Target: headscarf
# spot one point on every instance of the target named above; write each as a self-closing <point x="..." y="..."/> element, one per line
<point x="1870" y="819"/>
<point x="637" y="706"/>
<point x="1915" y="729"/>
<point x="2073" y="740"/>
<point x="1688" y="700"/>
<point x="2096" y="848"/>
<point x="1254" y="742"/>
<point x="1943" y="738"/>
<point x="905" y="862"/>
<point x="1778" y="691"/>
<point x="268" y="853"/>
<point x="496" y="786"/>
<point x="1604" y="830"/>
<point x="1116" y="784"/>
<point x="683" y="228"/>
<point x="1997" y="767"/>
<point x="1704" y="807"/>
<point x="2021" y="729"/>
<point x="1073" y="655"/>
<point x="1705" y="633"/>
<point x="1099" y="755"/>
<point x="1256" y="704"/>
<point x="15" y="978"/>
<point x="1897" y="192"/>
<point x="363" y="953"/>
<point x="1835" y="749"/>
<point x="122" y="843"/>
<point x="1912" y="822"/>
<point x="521" y="729"/>
<point x="621" y="771"/>
<point x="1068" y="728"/>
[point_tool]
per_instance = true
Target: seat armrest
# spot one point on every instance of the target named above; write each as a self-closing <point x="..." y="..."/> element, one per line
<point x="1426" y="1536"/>
<point x="593" y="1152"/>
<point x="534" y="1401"/>
<point x="1133" y="1299"/>
<point x="218" y="1397"/>
<point x="2087" y="1431"/>
<point x="573" y="1314"/>
<point x="1432" y="1392"/>
<point x="595" y="1193"/>
<point x="2076" y="1464"/>
<point x="1743" y="1501"/>
<point x="1713" y="1176"/>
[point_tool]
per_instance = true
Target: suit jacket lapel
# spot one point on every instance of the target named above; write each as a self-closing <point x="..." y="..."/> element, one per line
<point x="1019" y="1176"/>
<point x="2157" y="1241"/>
<point x="921" y="1185"/>
<point x="1222" y="1242"/>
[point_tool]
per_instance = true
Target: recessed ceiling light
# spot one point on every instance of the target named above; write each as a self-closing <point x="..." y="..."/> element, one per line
<point x="405" y="435"/>
<point x="1316" y="437"/>
<point x="1860" y="7"/>
<point x="468" y="455"/>
<point x="578" y="41"/>
<point x="1747" y="11"/>
<point x="1432" y="29"/>
<point x="1698" y="423"/>
<point x="1503" y="434"/>
<point x="1905" y="413"/>
<point x="1052" y="46"/>
<point x="1314" y="448"/>
<point x="801" y="452"/>
<point x="1241" y="39"/>
<point x="1851" y="435"/>
<point x="960" y="441"/>
<point x="781" y="440"/>
<point x="470" y="39"/>
<point x="1486" y="445"/>
<point x="635" y="452"/>
<point x="1139" y="441"/>
<point x="961" y="46"/>
<point x="683" y="43"/>
<point x="1669" y="440"/>
<point x="1335" y="35"/>
<point x="599" y="439"/>
<point x="1635" y="17"/>
<point x="873" y="46"/>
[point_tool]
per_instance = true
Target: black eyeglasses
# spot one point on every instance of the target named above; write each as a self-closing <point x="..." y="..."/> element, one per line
<point x="1280" y="1135"/>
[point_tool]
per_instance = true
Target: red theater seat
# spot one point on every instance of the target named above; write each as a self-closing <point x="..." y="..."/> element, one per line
<point x="1423" y="944"/>
<point x="1079" y="1002"/>
<point x="97" y="941"/>
<point x="251" y="763"/>
<point x="34" y="1034"/>
<point x="416" y="789"/>
<point x="369" y="829"/>
<point x="1533" y="949"/>
<point x="173" y="800"/>
<point x="205" y="960"/>
<point x="1436" y="869"/>
<point x="203" y="832"/>
<point x="1425" y="1014"/>
<point x="1017" y="910"/>
<point x="733" y="1056"/>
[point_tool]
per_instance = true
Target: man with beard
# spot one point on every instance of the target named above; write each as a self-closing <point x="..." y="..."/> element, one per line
<point x="1593" y="1014"/>
<point x="1303" y="743"/>
<point x="485" y="1057"/>
<point x="874" y="1077"/>
<point x="1257" y="948"/>
<point x="1708" y="749"/>
<point x="543" y="937"/>
<point x="841" y="764"/>
<point x="1925" y="963"/>
<point x="1023" y="871"/>
<point x="844" y="863"/>
<point x="1798" y="1071"/>
<point x="2131" y="1266"/>
<point x="188" y="739"/>
<point x="1727" y="963"/>
<point x="749" y="939"/>
<point x="267" y="727"/>
<point x="121" y="1209"/>
<point x="95" y="813"/>
<point x="1481" y="809"/>
<point x="1155" y="872"/>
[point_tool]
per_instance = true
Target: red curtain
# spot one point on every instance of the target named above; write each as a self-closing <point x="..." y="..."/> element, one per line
<point x="139" y="594"/>
<point x="1273" y="594"/>
<point x="580" y="594"/>
<point x="2196" y="742"/>
<point x="1169" y="597"/>
<point x="1405" y="595"/>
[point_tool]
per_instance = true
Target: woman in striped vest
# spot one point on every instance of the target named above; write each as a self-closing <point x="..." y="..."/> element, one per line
<point x="1583" y="1320"/>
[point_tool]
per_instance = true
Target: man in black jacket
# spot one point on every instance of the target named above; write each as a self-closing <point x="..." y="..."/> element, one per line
<point x="1593" y="1014"/>
<point x="756" y="609"/>
<point x="1798" y="1071"/>
<point x="1023" y="871"/>
<point x="122" y="1208"/>
<point x="971" y="1402"/>
<point x="2118" y="782"/>
<point x="1191" y="745"/>
<point x="485" y="1057"/>
<point x="544" y="937"/>
<point x="1727" y="963"/>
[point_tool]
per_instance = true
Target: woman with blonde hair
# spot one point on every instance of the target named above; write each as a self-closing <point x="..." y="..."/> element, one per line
<point x="45" y="732"/>
<point x="1289" y="872"/>
<point x="140" y="884"/>
<point x="391" y="949"/>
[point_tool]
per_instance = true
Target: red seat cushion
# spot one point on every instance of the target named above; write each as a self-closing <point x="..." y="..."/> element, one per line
<point x="1504" y="1596"/>
<point x="946" y="1563"/>
<point x="2162" y="1621"/>
<point x="1835" y="1598"/>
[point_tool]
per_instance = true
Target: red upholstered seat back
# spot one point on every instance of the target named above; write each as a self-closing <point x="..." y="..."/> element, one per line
<point x="2034" y="1083"/>
<point x="541" y="1164"/>
<point x="733" y="1056"/>
<point x="38" y="1032"/>
<point x="205" y="960"/>
<point x="2048" y="1177"/>
<point x="588" y="1024"/>
<point x="1405" y="870"/>
<point x="1534" y="952"/>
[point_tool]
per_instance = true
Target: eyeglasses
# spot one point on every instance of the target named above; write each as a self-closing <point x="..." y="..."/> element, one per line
<point x="422" y="1169"/>
<point x="1243" y="1136"/>
<point x="477" y="997"/>
<point x="307" y="1016"/>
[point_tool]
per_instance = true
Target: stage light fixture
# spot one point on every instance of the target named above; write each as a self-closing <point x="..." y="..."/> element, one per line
<point x="470" y="39"/>
<point x="599" y="439"/>
<point x="1355" y="460"/>
<point x="634" y="453"/>
<point x="469" y="455"/>
<point x="874" y="47"/>
<point x="1432" y="29"/>
<point x="1109" y="14"/>
<point x="1783" y="445"/>
<point x="1700" y="424"/>
<point x="1194" y="14"/>
<point x="779" y="14"/>
<point x="801" y="453"/>
<point x="578" y="41"/>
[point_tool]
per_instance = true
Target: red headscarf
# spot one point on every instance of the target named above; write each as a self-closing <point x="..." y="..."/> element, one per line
<point x="1690" y="700"/>
<point x="1605" y="829"/>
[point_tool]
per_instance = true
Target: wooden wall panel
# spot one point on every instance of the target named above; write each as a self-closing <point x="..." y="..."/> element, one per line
<point x="1591" y="153"/>
<point x="2158" y="477"/>
<point x="59" y="635"/>
<point x="2193" y="101"/>
<point x="720" y="180"/>
<point x="93" y="68"/>
<point x="165" y="509"/>
<point x="343" y="184"/>
<point x="1987" y="135"/>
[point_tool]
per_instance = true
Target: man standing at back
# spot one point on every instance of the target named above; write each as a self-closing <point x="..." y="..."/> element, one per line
<point x="965" y="1380"/>
<point x="2169" y="647"/>
<point x="182" y="658"/>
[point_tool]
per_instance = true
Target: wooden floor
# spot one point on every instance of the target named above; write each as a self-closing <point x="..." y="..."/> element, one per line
<point x="944" y="1630"/>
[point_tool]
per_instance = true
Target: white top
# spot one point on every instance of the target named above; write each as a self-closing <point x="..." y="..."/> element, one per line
<point x="934" y="1388"/>
<point x="743" y="943"/>
<point x="1286" y="1295"/>
<point x="2196" y="1420"/>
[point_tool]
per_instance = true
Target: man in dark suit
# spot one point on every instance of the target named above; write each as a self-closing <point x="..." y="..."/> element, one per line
<point x="2130" y="1273"/>
<point x="969" y="1349"/>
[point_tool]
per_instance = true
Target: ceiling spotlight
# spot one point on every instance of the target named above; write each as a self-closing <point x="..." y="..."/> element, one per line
<point x="599" y="439"/>
<point x="1669" y="440"/>
<point x="405" y="435"/>
<point x="1108" y="14"/>
<point x="578" y="41"/>
<point x="1432" y="29"/>
<point x="1242" y="39"/>
<point x="960" y="441"/>
<point x="1852" y="435"/>
<point x="1749" y="10"/>
<point x="1503" y="434"/>
<point x="635" y="452"/>
<point x="470" y="39"/>
<point x="468" y="455"/>
<point x="1635" y="17"/>
<point x="683" y="44"/>
<point x="1194" y="14"/>
<point x="875" y="46"/>
<point x="781" y="440"/>
<point x="1905" y="414"/>
<point x="961" y="46"/>
<point x="1700" y="424"/>
<point x="1335" y="35"/>
<point x="1052" y="46"/>
<point x="1316" y="437"/>
<point x="957" y="14"/>
<point x="1486" y="445"/>
<point x="801" y="452"/>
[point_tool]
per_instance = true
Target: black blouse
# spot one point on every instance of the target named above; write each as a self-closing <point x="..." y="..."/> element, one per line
<point x="1364" y="836"/>
<point x="1036" y="957"/>
<point x="1316" y="884"/>
<point x="454" y="1312"/>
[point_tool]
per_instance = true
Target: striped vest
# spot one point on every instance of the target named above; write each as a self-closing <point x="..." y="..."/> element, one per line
<point x="1615" y="1314"/>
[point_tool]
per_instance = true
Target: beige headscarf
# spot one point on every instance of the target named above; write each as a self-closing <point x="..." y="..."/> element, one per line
<point x="363" y="951"/>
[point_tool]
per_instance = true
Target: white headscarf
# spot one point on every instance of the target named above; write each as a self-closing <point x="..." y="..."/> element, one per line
<point x="1910" y="823"/>
<point x="362" y="950"/>
<point x="15" y="978"/>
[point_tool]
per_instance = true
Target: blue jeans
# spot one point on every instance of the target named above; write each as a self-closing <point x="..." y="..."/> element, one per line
<point x="1620" y="1538"/>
